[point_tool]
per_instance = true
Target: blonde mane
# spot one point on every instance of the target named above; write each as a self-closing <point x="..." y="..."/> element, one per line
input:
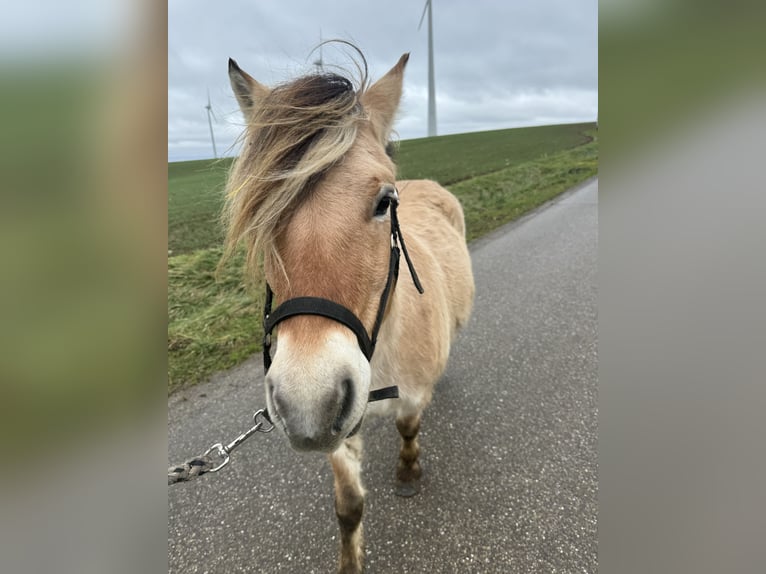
<point x="293" y="136"/>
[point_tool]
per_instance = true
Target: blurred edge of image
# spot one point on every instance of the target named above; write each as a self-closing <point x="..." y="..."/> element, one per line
<point x="682" y="277"/>
<point x="83" y="286"/>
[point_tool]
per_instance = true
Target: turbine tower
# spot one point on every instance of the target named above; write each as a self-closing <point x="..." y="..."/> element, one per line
<point x="320" y="62"/>
<point x="210" y="115"/>
<point x="431" y="84"/>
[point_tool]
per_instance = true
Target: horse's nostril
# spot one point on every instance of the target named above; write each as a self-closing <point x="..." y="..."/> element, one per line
<point x="277" y="402"/>
<point x="346" y="404"/>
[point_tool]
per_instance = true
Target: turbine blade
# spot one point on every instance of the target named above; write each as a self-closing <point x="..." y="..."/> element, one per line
<point x="425" y="7"/>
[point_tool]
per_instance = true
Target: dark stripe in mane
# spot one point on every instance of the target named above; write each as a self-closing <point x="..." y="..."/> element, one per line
<point x="298" y="113"/>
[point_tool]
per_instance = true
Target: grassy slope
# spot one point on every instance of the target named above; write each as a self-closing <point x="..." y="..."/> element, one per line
<point x="195" y="187"/>
<point x="491" y="200"/>
<point x="215" y="324"/>
<point x="450" y="159"/>
<point x="195" y="192"/>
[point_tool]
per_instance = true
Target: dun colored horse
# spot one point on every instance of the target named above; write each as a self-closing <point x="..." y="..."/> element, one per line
<point x="314" y="195"/>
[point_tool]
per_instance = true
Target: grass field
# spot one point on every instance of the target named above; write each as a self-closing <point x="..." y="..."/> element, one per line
<point x="195" y="197"/>
<point x="195" y="188"/>
<point x="214" y="322"/>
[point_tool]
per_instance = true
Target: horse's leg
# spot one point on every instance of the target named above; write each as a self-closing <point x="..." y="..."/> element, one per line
<point x="349" y="503"/>
<point x="408" y="469"/>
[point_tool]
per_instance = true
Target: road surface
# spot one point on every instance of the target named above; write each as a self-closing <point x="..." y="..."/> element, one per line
<point x="509" y="444"/>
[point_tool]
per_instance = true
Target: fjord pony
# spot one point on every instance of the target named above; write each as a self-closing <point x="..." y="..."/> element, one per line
<point x="311" y="193"/>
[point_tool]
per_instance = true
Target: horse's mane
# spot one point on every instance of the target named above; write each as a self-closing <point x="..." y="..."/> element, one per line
<point x="293" y="136"/>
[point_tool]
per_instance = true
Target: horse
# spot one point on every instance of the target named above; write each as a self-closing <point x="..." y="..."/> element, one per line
<point x="314" y="200"/>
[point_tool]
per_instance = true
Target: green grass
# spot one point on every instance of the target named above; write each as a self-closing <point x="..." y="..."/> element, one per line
<point x="454" y="158"/>
<point x="491" y="200"/>
<point x="195" y="197"/>
<point x="214" y="324"/>
<point x="195" y="188"/>
<point x="213" y="321"/>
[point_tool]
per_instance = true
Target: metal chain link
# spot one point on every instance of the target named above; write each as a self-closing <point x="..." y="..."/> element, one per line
<point x="200" y="465"/>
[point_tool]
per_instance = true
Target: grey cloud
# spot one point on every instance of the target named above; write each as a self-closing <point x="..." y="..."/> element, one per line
<point x="498" y="64"/>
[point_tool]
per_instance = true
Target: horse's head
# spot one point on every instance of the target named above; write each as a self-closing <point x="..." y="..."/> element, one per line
<point x="311" y="192"/>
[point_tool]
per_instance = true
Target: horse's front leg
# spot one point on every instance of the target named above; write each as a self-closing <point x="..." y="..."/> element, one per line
<point x="349" y="503"/>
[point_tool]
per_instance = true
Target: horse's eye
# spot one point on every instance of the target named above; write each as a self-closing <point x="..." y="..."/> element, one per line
<point x="382" y="207"/>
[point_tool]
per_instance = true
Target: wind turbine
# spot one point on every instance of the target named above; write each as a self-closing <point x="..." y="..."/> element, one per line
<point x="431" y="86"/>
<point x="210" y="115"/>
<point x="320" y="62"/>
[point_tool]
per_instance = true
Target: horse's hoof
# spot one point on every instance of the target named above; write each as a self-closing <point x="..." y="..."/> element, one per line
<point x="407" y="489"/>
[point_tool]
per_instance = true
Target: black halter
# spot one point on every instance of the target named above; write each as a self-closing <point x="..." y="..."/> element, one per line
<point x="339" y="313"/>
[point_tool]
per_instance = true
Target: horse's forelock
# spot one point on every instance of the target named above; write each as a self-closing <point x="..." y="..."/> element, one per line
<point x="299" y="131"/>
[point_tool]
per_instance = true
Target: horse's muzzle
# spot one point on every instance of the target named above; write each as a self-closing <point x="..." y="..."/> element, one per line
<point x="314" y="421"/>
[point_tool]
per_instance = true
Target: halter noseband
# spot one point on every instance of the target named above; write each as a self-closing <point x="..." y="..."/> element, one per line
<point x="339" y="313"/>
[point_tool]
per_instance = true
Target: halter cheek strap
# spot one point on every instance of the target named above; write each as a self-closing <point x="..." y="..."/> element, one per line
<point x="339" y="313"/>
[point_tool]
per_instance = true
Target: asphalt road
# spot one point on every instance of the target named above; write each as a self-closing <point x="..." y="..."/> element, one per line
<point x="509" y="444"/>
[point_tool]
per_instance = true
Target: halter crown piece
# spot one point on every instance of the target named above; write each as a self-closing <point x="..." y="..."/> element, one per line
<point x="339" y="313"/>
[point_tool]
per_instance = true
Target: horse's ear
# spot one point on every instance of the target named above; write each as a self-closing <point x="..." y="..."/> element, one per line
<point x="382" y="99"/>
<point x="248" y="91"/>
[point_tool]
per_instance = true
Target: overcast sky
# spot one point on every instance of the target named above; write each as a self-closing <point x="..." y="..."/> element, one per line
<point x="499" y="63"/>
